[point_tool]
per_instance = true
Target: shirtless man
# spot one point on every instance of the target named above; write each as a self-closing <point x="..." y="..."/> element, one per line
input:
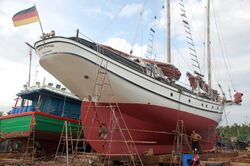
<point x="195" y="138"/>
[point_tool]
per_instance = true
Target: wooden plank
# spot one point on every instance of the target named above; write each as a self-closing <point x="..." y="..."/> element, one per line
<point x="119" y="141"/>
<point x="203" y="163"/>
<point x="239" y="164"/>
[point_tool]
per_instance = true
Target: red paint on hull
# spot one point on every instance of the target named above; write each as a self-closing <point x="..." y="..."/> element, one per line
<point x="150" y="126"/>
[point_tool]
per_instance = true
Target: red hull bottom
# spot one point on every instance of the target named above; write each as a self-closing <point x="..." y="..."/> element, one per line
<point x="151" y="127"/>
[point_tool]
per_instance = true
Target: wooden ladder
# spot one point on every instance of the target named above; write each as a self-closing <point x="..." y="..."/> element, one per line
<point x="80" y="138"/>
<point x="180" y="139"/>
<point x="30" y="147"/>
<point x="103" y="88"/>
<point x="65" y="141"/>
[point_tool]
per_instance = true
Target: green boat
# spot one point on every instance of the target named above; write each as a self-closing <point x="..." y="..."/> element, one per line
<point x="40" y="112"/>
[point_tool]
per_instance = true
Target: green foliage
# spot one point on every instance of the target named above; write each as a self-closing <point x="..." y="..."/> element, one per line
<point x="241" y="132"/>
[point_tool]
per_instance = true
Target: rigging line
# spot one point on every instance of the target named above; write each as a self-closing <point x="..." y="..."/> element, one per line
<point x="221" y="41"/>
<point x="215" y="66"/>
<point x="182" y="56"/>
<point x="86" y="37"/>
<point x="191" y="18"/>
<point x="141" y="21"/>
<point x="204" y="50"/>
<point x="204" y="44"/>
<point x="154" y="22"/>
<point x="135" y="36"/>
<point x="105" y="28"/>
<point x="198" y="33"/>
<point x="225" y="116"/>
<point x="190" y="37"/>
<point x="227" y="64"/>
<point x="215" y="75"/>
<point x="174" y="32"/>
<point x="137" y="26"/>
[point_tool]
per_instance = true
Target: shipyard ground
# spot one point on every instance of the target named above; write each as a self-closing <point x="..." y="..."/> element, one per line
<point x="241" y="158"/>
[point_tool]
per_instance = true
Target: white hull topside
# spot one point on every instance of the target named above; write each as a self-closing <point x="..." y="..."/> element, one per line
<point x="76" y="66"/>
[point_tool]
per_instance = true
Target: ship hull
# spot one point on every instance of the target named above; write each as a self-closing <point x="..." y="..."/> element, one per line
<point x="151" y="128"/>
<point x="46" y="128"/>
<point x="146" y="103"/>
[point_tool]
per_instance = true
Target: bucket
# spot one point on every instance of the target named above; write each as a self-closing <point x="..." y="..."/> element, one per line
<point x="186" y="159"/>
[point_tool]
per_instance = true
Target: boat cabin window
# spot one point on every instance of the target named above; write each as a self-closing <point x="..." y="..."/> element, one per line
<point x="60" y="107"/>
<point x="20" y="102"/>
<point x="21" y="105"/>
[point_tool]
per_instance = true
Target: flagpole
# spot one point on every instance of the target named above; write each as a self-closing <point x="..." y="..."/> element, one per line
<point x="39" y="20"/>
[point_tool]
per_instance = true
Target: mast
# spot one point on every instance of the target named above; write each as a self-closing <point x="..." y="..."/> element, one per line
<point x="168" y="32"/>
<point x="30" y="56"/>
<point x="208" y="47"/>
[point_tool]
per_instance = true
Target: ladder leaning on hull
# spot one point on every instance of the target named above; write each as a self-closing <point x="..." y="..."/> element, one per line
<point x="103" y="88"/>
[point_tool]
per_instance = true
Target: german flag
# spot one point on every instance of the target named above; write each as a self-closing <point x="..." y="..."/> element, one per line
<point x="26" y="16"/>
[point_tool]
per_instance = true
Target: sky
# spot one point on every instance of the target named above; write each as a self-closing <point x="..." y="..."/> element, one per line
<point x="125" y="25"/>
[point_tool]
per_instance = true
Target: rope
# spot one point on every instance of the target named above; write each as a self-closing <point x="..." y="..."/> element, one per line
<point x="86" y="37"/>
<point x="225" y="118"/>
<point x="137" y="28"/>
<point x="222" y="46"/>
<point x="224" y="111"/>
<point x="198" y="34"/>
<point x="189" y="37"/>
<point x="176" y="46"/>
<point x="106" y="27"/>
<point x="214" y="65"/>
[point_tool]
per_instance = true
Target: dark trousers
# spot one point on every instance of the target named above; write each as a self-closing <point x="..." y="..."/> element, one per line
<point x="196" y="146"/>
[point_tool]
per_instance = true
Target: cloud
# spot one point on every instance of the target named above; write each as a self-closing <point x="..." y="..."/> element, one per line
<point x="131" y="10"/>
<point x="113" y="10"/>
<point x="125" y="46"/>
<point x="98" y="10"/>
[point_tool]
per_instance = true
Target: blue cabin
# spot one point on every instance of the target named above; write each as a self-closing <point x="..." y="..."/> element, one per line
<point x="49" y="100"/>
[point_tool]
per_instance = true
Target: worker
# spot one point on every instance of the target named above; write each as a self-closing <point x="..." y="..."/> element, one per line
<point x="102" y="132"/>
<point x="195" y="142"/>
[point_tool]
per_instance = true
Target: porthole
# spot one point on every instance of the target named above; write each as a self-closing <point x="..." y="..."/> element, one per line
<point x="206" y="105"/>
<point x="202" y="104"/>
<point x="171" y="94"/>
<point x="212" y="106"/>
<point x="189" y="100"/>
